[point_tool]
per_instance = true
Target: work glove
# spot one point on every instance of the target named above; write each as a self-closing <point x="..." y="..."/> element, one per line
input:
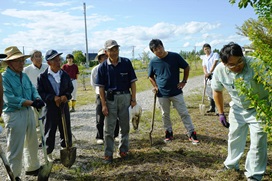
<point x="38" y="104"/>
<point x="223" y="120"/>
<point x="210" y="76"/>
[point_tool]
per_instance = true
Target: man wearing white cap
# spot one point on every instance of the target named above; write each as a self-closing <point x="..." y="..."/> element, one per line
<point x="19" y="95"/>
<point x="116" y="76"/>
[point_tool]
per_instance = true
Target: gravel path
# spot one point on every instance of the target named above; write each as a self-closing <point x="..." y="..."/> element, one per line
<point x="83" y="121"/>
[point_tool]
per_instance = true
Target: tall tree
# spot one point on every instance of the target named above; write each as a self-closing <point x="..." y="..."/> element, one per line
<point x="260" y="33"/>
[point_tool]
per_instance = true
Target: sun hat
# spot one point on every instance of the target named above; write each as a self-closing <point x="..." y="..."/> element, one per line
<point x="100" y="52"/>
<point x="50" y="54"/>
<point x="3" y="55"/>
<point x="110" y="43"/>
<point x="13" y="53"/>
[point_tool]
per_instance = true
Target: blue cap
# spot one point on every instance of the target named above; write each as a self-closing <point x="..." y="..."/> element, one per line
<point x="50" y="54"/>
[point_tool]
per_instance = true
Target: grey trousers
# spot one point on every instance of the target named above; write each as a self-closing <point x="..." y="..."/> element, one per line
<point x="180" y="106"/>
<point x="118" y="108"/>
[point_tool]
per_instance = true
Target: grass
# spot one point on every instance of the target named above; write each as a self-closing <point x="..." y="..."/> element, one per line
<point x="178" y="160"/>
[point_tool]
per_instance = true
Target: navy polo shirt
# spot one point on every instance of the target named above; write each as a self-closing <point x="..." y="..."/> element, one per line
<point x="117" y="78"/>
<point x="167" y="73"/>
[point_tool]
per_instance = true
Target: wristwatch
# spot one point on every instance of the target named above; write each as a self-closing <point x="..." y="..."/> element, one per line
<point x="184" y="81"/>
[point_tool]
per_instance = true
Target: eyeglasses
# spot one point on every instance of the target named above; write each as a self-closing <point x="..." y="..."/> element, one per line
<point x="239" y="62"/>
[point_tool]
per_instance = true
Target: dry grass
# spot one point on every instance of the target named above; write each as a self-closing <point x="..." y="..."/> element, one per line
<point x="178" y="160"/>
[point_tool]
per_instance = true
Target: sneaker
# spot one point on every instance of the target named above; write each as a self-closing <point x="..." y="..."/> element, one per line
<point x="116" y="139"/>
<point x="17" y="179"/>
<point x="193" y="138"/>
<point x="251" y="179"/>
<point x="168" y="136"/>
<point x="33" y="173"/>
<point x="50" y="157"/>
<point x="224" y="169"/>
<point x="73" y="110"/>
<point x="108" y="159"/>
<point x="99" y="141"/>
<point x="123" y="155"/>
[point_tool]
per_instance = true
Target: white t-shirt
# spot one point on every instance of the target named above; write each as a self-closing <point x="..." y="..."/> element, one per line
<point x="33" y="72"/>
<point x="94" y="77"/>
<point x="208" y="61"/>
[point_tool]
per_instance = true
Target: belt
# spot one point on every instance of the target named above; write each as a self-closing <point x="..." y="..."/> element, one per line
<point x="120" y="92"/>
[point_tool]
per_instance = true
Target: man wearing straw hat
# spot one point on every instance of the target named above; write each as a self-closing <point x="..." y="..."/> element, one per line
<point x="19" y="96"/>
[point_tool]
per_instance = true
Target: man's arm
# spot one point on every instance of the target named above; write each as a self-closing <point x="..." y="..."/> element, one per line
<point x="133" y="94"/>
<point x="219" y="101"/>
<point x="103" y="100"/>
<point x="153" y="82"/>
<point x="186" y="74"/>
<point x="214" y="65"/>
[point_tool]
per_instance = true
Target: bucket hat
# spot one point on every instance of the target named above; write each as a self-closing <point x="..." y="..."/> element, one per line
<point x="50" y="54"/>
<point x="100" y="52"/>
<point x="110" y="43"/>
<point x="13" y="53"/>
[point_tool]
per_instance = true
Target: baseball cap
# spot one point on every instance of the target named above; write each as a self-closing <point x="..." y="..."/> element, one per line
<point x="110" y="43"/>
<point x="50" y="54"/>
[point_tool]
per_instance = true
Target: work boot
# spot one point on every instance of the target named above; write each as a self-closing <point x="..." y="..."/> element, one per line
<point x="212" y="106"/>
<point x="73" y="109"/>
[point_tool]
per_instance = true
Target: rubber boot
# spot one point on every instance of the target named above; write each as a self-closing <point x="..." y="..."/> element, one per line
<point x="212" y="106"/>
<point x="73" y="106"/>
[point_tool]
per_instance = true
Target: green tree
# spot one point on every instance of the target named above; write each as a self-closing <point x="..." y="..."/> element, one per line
<point x="260" y="33"/>
<point x="262" y="7"/>
<point x="80" y="59"/>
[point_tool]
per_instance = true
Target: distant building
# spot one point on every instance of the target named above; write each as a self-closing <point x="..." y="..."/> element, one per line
<point x="92" y="56"/>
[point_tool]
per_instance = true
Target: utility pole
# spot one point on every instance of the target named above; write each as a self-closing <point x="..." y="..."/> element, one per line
<point x="86" y="38"/>
<point x="133" y="52"/>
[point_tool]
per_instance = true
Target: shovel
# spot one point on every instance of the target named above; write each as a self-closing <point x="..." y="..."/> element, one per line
<point x="202" y="107"/>
<point x="68" y="154"/>
<point x="47" y="167"/>
<point x="7" y="166"/>
<point x="152" y="121"/>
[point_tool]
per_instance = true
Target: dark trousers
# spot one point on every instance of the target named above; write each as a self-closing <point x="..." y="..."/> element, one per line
<point x="100" y="121"/>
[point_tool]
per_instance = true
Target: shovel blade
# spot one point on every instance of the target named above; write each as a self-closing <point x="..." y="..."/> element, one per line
<point x="68" y="156"/>
<point x="45" y="171"/>
<point x="202" y="109"/>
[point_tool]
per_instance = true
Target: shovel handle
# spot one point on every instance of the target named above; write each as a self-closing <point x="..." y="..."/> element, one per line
<point x="153" y="117"/>
<point x="7" y="166"/>
<point x="64" y="126"/>
<point x="204" y="90"/>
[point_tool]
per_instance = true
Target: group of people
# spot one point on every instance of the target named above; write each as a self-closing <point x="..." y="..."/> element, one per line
<point x="114" y="80"/>
<point x="28" y="93"/>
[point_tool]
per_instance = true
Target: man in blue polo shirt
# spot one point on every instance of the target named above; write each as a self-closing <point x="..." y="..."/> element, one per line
<point x="116" y="77"/>
<point x="163" y="73"/>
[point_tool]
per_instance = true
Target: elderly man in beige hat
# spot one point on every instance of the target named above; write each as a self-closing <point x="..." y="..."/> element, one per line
<point x="19" y="96"/>
<point x="101" y="57"/>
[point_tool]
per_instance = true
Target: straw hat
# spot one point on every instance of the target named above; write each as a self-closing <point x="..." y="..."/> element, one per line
<point x="13" y="53"/>
<point x="3" y="55"/>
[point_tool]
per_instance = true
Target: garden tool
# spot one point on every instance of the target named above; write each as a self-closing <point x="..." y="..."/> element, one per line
<point x="47" y="167"/>
<point x="202" y="107"/>
<point x="68" y="154"/>
<point x="153" y="117"/>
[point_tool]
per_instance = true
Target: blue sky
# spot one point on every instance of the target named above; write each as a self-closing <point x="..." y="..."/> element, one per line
<point x="180" y="24"/>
